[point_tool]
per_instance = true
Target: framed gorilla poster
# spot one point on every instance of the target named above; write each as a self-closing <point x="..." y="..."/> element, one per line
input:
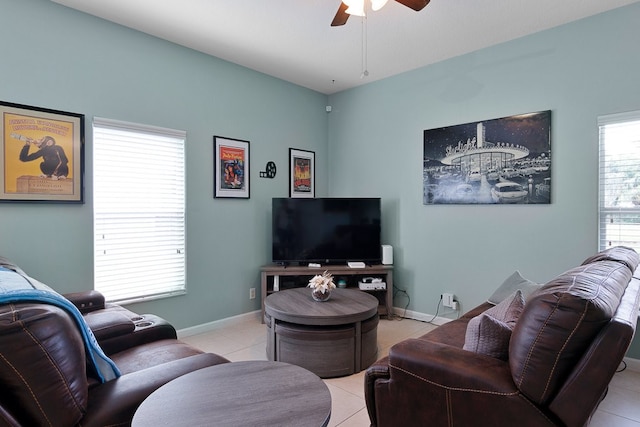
<point x="41" y="155"/>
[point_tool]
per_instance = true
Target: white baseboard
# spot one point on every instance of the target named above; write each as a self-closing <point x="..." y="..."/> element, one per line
<point x="210" y="326"/>
<point x="415" y="315"/>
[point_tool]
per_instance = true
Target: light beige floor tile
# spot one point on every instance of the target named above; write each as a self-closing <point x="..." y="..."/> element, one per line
<point x="214" y="342"/>
<point x="400" y="327"/>
<point x="256" y="352"/>
<point x="426" y="328"/>
<point x="605" y="419"/>
<point x="203" y="338"/>
<point x="353" y="384"/>
<point x="622" y="402"/>
<point x="627" y="379"/>
<point x="360" y="419"/>
<point x="343" y="405"/>
<point x="247" y="341"/>
<point x="393" y="331"/>
<point x="247" y="333"/>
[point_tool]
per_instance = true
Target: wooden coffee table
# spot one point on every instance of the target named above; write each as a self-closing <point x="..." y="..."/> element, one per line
<point x="253" y="393"/>
<point x="333" y="338"/>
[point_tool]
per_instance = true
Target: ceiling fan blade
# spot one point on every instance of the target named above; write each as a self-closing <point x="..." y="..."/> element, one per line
<point x="341" y="16"/>
<point x="416" y="5"/>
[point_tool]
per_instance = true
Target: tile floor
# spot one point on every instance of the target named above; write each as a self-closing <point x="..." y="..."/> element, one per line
<point x="245" y="339"/>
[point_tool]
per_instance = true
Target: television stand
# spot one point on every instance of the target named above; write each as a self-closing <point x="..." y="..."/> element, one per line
<point x="290" y="276"/>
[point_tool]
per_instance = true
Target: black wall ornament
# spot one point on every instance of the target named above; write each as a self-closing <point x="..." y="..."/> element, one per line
<point x="270" y="171"/>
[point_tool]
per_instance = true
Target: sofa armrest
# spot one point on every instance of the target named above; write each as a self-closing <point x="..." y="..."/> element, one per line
<point x="435" y="384"/>
<point x="86" y="301"/>
<point x="117" y="328"/>
<point x="376" y="373"/>
<point x="107" y="324"/>
<point x="451" y="367"/>
<point x="147" y="328"/>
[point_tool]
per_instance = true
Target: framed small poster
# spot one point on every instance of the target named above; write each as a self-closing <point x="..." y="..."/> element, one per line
<point x="41" y="154"/>
<point x="231" y="168"/>
<point x="302" y="171"/>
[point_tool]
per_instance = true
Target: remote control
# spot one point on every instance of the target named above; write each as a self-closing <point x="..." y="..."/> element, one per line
<point x="356" y="264"/>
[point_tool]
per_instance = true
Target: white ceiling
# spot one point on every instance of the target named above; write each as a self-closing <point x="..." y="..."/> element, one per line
<point x="293" y="39"/>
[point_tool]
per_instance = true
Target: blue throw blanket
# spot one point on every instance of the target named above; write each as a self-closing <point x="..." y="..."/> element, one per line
<point x="16" y="287"/>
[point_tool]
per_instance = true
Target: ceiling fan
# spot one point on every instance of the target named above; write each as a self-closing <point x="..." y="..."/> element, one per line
<point x="356" y="7"/>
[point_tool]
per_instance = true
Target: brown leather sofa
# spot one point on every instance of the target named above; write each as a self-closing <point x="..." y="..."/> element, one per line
<point x="44" y="374"/>
<point x="564" y="346"/>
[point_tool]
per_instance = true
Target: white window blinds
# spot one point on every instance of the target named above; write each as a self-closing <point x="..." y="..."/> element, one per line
<point x="619" y="222"/>
<point x="139" y="211"/>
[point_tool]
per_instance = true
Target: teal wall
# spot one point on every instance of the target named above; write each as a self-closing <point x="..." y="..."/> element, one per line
<point x="369" y="145"/>
<point x="578" y="71"/>
<point x="58" y="58"/>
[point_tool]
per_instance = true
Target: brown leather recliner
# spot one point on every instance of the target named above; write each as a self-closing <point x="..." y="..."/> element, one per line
<point x="565" y="347"/>
<point x="45" y="377"/>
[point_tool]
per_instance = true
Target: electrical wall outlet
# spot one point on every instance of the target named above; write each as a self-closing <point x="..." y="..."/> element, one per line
<point x="447" y="300"/>
<point x="454" y="305"/>
<point x="252" y="293"/>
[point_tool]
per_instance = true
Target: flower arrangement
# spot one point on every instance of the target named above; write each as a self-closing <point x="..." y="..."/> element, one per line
<point x="321" y="285"/>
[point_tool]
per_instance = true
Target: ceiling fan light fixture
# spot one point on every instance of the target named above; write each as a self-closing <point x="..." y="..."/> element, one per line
<point x="378" y="4"/>
<point x="355" y="7"/>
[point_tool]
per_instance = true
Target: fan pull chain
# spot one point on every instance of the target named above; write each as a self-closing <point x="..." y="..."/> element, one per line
<point x="365" y="72"/>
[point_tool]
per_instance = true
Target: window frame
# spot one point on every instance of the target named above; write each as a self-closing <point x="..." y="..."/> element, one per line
<point x="147" y="238"/>
<point x="611" y="217"/>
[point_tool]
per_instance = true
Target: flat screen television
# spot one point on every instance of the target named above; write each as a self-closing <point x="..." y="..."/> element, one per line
<point x="326" y="230"/>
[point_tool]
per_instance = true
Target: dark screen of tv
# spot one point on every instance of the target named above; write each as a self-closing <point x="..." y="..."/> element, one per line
<point x="326" y="230"/>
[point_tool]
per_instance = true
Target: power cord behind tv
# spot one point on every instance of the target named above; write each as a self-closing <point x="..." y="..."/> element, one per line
<point x="397" y="290"/>
<point x="437" y="310"/>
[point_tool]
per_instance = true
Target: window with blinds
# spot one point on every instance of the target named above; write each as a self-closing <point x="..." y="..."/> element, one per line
<point x="139" y="211"/>
<point x="619" y="222"/>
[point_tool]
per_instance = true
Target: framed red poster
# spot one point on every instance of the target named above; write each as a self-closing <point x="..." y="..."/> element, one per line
<point x="231" y="168"/>
<point x="302" y="173"/>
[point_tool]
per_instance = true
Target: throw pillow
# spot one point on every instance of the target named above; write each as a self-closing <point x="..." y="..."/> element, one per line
<point x="489" y="333"/>
<point x="509" y="309"/>
<point x="510" y="285"/>
<point x="489" y="336"/>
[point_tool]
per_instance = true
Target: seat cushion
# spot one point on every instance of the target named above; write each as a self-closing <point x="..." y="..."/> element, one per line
<point x="152" y="354"/>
